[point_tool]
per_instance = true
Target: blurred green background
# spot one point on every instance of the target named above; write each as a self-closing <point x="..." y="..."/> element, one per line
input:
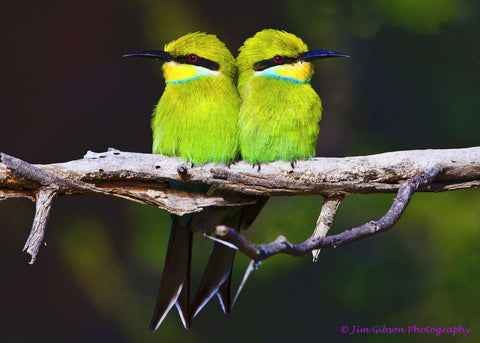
<point x="412" y="83"/>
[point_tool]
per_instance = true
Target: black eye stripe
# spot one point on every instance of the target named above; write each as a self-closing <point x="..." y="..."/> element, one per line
<point x="270" y="62"/>
<point x="200" y="61"/>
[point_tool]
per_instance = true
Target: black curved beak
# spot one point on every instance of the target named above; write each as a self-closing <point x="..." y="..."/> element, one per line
<point x="317" y="54"/>
<point x="157" y="54"/>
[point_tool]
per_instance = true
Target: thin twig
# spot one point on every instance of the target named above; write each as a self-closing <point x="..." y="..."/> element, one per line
<point x="44" y="200"/>
<point x="325" y="219"/>
<point x="282" y="245"/>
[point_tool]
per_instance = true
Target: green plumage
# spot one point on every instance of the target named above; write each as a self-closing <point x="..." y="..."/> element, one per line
<point x="278" y="118"/>
<point x="197" y="120"/>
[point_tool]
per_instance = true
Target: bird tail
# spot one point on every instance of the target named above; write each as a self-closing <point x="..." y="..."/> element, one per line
<point x="216" y="273"/>
<point x="217" y="276"/>
<point x="175" y="284"/>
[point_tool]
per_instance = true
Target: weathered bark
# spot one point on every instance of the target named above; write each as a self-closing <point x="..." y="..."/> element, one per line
<point x="381" y="173"/>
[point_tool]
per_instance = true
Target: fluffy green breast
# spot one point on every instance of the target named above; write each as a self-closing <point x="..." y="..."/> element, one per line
<point x="198" y="120"/>
<point x="278" y="120"/>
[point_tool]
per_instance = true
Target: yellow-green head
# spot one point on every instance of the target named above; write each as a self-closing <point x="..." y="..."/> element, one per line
<point x="278" y="54"/>
<point x="192" y="56"/>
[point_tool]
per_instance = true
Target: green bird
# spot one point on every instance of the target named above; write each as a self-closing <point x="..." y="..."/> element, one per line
<point x="195" y="119"/>
<point x="279" y="110"/>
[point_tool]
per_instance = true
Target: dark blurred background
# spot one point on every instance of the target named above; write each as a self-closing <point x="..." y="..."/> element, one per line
<point x="412" y="82"/>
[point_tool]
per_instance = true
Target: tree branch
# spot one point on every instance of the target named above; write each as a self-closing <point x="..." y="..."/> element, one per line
<point x="381" y="173"/>
<point x="144" y="178"/>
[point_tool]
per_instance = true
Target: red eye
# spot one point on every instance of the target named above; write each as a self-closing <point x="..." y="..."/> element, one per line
<point x="192" y="57"/>
<point x="278" y="59"/>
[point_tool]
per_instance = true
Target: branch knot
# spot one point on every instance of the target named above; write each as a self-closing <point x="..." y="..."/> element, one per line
<point x="182" y="169"/>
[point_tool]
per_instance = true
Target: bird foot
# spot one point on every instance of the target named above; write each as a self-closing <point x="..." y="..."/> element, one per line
<point x="257" y="165"/>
